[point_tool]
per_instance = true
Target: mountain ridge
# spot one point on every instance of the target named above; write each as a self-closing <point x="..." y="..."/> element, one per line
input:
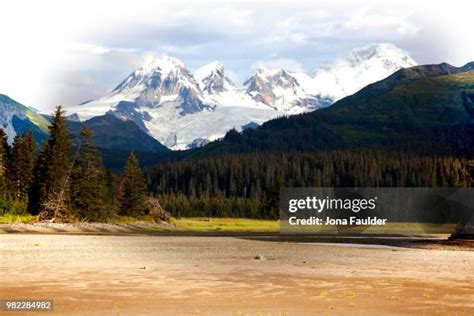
<point x="109" y="132"/>
<point x="180" y="109"/>
<point x="429" y="108"/>
<point x="16" y="118"/>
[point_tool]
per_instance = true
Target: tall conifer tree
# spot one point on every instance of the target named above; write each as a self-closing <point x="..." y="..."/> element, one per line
<point x="51" y="194"/>
<point x="4" y="152"/>
<point x="21" y="166"/>
<point x="133" y="189"/>
<point x="89" y="193"/>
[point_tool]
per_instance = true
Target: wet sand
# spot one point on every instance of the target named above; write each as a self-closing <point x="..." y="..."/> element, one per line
<point x="169" y="275"/>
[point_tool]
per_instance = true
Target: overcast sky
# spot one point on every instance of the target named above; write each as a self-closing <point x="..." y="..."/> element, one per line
<point x="67" y="52"/>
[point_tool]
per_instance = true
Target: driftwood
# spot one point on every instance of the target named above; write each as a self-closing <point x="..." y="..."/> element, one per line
<point x="155" y="210"/>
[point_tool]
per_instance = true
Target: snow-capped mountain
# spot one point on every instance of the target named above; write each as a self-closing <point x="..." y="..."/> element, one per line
<point x="181" y="109"/>
<point x="219" y="89"/>
<point x="280" y="90"/>
<point x="212" y="80"/>
<point x="164" y="99"/>
<point x="160" y="82"/>
<point x="362" y="66"/>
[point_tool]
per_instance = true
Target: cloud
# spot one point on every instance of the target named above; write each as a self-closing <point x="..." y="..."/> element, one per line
<point x="284" y="63"/>
<point x="85" y="48"/>
<point x="366" y="19"/>
<point x="57" y="52"/>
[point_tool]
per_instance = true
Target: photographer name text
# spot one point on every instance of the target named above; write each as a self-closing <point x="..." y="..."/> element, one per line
<point x="318" y="205"/>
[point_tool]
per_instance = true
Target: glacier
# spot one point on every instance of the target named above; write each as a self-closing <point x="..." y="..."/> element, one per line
<point x="182" y="109"/>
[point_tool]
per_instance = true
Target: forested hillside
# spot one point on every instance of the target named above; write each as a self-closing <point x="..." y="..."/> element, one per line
<point x="248" y="184"/>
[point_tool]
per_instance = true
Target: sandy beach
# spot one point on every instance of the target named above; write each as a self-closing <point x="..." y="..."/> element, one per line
<point x="171" y="275"/>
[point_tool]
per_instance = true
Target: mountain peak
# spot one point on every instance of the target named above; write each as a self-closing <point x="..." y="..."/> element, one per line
<point x="374" y="49"/>
<point x="362" y="66"/>
<point x="158" y="76"/>
<point x="280" y="90"/>
<point x="469" y="66"/>
<point x="273" y="76"/>
<point x="163" y="63"/>
<point x="269" y="72"/>
<point x="390" y="53"/>
<point x="213" y="67"/>
<point x="211" y="78"/>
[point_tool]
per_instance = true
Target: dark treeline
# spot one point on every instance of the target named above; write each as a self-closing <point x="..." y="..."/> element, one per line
<point x="297" y="134"/>
<point x="248" y="184"/>
<point x="65" y="180"/>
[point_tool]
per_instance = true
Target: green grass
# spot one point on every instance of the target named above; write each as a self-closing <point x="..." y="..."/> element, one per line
<point x="182" y="224"/>
<point x="243" y="225"/>
<point x="225" y="225"/>
<point x="12" y="218"/>
<point x="466" y="78"/>
<point x="131" y="220"/>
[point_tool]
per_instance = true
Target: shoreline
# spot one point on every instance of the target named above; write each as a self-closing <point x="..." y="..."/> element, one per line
<point x="145" y="229"/>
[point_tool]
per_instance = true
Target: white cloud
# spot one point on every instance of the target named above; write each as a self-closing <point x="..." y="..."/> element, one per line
<point x="283" y="63"/>
<point x="84" y="48"/>
<point x="69" y="51"/>
<point x="376" y="21"/>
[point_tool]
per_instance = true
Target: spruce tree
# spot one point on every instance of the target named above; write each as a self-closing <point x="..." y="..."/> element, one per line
<point x="113" y="181"/>
<point x="3" y="166"/>
<point x="21" y="166"/>
<point x="50" y="196"/>
<point x="6" y="150"/>
<point x="89" y="193"/>
<point x="14" y="169"/>
<point x="133" y="189"/>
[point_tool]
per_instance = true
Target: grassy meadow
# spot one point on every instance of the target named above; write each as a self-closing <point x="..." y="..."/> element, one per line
<point x="195" y="224"/>
<point x="200" y="224"/>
